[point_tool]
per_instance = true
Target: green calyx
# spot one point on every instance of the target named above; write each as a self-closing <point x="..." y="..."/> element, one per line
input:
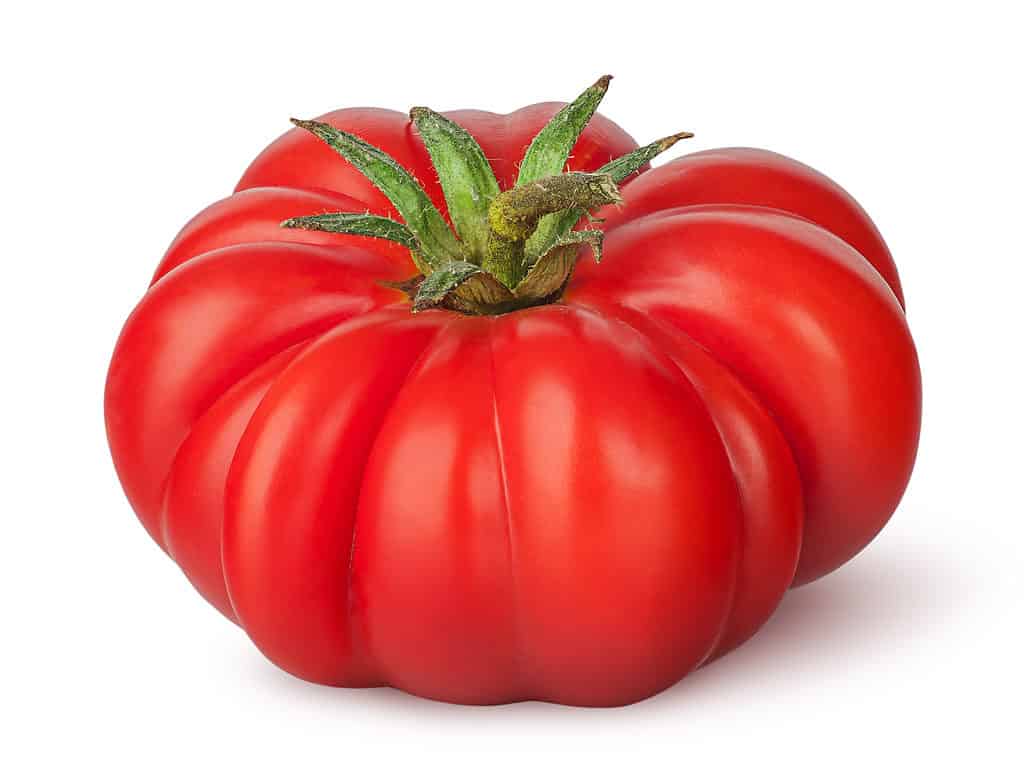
<point x="510" y="249"/>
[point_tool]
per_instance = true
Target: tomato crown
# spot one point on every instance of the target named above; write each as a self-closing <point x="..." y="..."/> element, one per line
<point x="509" y="249"/>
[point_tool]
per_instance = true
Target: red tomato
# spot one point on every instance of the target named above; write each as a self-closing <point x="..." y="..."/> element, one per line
<point x="578" y="502"/>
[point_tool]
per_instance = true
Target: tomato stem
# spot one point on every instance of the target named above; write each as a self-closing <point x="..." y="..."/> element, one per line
<point x="513" y="249"/>
<point x="514" y="215"/>
<point x="553" y="227"/>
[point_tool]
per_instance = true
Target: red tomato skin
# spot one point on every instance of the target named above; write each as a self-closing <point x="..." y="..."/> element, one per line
<point x="255" y="216"/>
<point x="742" y="176"/>
<point x="193" y="510"/>
<point x="438" y="524"/>
<point x="802" y="319"/>
<point x="200" y="330"/>
<point x="770" y="493"/>
<point x="289" y="520"/>
<point x="578" y="503"/>
<point x="573" y="559"/>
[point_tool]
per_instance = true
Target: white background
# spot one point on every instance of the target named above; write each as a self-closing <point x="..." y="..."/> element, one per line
<point x="122" y="121"/>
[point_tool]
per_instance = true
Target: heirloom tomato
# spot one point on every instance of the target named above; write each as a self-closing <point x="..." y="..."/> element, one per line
<point x="384" y="420"/>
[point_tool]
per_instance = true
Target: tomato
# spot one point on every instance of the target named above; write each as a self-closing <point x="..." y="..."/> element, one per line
<point x="578" y="501"/>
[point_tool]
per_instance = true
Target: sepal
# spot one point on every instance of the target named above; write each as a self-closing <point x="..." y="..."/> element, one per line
<point x="463" y="286"/>
<point x="552" y="271"/>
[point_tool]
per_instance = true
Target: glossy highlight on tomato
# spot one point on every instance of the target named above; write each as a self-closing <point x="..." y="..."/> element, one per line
<point x="580" y="500"/>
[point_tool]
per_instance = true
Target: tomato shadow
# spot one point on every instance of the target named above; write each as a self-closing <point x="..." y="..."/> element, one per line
<point x="887" y="597"/>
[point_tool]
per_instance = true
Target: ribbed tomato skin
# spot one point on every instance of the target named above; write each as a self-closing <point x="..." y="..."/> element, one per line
<point x="579" y="502"/>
